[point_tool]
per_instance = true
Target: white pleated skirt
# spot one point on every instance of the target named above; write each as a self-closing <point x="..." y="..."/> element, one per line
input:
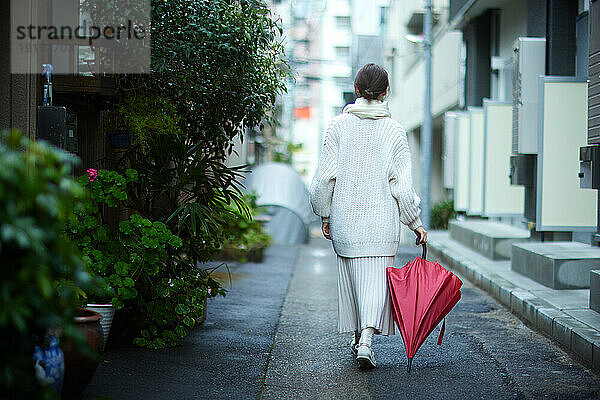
<point x="363" y="295"/>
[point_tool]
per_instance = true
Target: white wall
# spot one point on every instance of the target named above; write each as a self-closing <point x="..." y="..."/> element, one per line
<point x="444" y="79"/>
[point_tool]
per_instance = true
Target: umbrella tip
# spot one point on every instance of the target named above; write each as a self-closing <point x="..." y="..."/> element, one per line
<point x="409" y="364"/>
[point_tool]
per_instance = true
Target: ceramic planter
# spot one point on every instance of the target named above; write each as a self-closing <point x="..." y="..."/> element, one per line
<point x="107" y="311"/>
<point x="79" y="367"/>
<point x="49" y="364"/>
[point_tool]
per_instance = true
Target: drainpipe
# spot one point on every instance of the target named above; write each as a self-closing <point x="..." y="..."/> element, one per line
<point x="426" y="128"/>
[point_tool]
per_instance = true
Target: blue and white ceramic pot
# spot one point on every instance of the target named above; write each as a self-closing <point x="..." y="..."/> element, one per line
<point x="49" y="363"/>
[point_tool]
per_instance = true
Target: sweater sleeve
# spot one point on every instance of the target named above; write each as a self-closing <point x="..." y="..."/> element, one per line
<point x="321" y="188"/>
<point x="401" y="184"/>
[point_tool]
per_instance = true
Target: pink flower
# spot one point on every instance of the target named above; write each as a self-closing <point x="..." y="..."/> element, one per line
<point x="93" y="174"/>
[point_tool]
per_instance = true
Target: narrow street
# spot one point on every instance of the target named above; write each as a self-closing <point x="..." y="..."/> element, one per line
<point x="274" y="337"/>
<point x="487" y="353"/>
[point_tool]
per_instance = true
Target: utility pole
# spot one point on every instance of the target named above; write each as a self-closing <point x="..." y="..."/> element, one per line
<point x="426" y="128"/>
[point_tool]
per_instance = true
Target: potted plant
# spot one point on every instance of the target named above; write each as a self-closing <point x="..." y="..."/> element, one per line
<point x="245" y="238"/>
<point x="36" y="258"/>
<point x="119" y="137"/>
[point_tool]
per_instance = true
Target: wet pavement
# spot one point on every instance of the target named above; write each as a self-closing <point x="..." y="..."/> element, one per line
<point x="225" y="358"/>
<point x="274" y="337"/>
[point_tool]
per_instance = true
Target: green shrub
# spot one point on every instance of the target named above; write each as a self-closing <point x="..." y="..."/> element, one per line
<point x="220" y="64"/>
<point x="37" y="195"/>
<point x="441" y="213"/>
<point x="141" y="262"/>
<point x="148" y="117"/>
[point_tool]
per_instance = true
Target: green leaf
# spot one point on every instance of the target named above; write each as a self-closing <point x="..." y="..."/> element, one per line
<point x="189" y="321"/>
<point x="128" y="282"/>
<point x="152" y="268"/>
<point x="126" y="227"/>
<point x="181" y="331"/>
<point x="182" y="309"/>
<point x="132" y="174"/>
<point x="122" y="268"/>
<point x="162" y="291"/>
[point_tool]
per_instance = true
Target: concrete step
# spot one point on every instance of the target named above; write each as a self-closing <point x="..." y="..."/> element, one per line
<point x="557" y="265"/>
<point x="595" y="290"/>
<point x="490" y="239"/>
<point x="561" y="314"/>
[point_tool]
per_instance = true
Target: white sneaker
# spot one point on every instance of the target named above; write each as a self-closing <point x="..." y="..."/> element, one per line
<point x="354" y="343"/>
<point x="365" y="356"/>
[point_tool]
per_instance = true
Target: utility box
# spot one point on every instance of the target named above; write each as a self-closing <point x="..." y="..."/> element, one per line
<point x="52" y="125"/>
<point x="71" y="140"/>
<point x="589" y="167"/>
<point x="523" y="173"/>
<point x="529" y="63"/>
<point x="522" y="170"/>
<point x="594" y="74"/>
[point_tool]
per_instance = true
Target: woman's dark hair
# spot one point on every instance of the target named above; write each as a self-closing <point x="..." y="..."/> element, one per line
<point x="371" y="81"/>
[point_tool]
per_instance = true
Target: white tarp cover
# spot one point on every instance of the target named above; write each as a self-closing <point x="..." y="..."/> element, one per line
<point x="278" y="185"/>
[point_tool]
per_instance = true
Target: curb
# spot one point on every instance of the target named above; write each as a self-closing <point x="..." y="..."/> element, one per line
<point x="573" y="335"/>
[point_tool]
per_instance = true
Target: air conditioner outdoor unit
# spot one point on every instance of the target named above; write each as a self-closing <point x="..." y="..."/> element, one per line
<point x="529" y="63"/>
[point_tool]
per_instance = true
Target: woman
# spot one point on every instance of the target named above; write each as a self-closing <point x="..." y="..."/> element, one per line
<point x="362" y="190"/>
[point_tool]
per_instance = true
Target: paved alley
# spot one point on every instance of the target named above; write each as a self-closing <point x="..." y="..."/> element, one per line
<point x="274" y="337"/>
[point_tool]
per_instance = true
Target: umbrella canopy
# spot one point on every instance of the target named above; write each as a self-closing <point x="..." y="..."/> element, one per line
<point x="423" y="293"/>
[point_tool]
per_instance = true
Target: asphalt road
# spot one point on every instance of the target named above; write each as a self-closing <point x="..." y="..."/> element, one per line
<point x="487" y="353"/>
<point x="274" y="337"/>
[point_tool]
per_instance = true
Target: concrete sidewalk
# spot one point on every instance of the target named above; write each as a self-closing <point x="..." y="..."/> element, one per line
<point x="563" y="315"/>
<point x="224" y="358"/>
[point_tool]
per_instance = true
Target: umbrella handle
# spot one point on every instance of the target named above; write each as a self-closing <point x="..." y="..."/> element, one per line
<point x="424" y="256"/>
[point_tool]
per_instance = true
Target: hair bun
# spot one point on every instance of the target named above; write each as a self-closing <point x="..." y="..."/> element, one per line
<point x="371" y="81"/>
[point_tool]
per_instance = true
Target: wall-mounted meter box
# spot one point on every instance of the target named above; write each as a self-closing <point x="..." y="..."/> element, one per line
<point x="589" y="167"/>
<point x="71" y="141"/>
<point x="529" y="63"/>
<point x="52" y="125"/>
<point x="594" y="74"/>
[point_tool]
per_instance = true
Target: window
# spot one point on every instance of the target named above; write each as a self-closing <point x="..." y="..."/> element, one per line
<point x="342" y="81"/>
<point x="343" y="21"/>
<point x="342" y="52"/>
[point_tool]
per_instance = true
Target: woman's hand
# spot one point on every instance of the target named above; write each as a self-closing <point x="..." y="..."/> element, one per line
<point x="326" y="231"/>
<point x="421" y="235"/>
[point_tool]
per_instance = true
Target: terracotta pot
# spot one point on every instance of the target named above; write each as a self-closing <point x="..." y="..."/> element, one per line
<point x="80" y="368"/>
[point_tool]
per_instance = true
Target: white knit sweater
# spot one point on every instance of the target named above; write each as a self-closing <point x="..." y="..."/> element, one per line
<point x="364" y="184"/>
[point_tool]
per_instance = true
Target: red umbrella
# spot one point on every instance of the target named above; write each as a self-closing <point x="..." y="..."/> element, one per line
<point x="423" y="293"/>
